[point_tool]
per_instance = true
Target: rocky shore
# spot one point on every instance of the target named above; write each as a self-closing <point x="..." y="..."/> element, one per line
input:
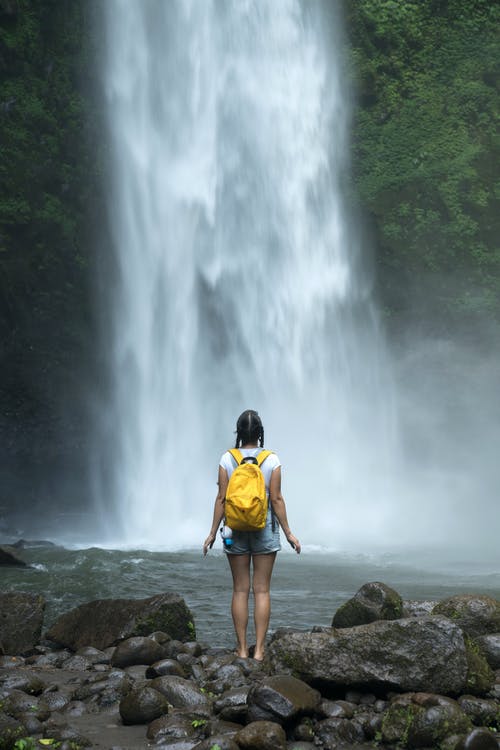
<point x="126" y="674"/>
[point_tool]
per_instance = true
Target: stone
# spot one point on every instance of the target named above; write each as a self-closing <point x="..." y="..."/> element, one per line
<point x="106" y="622"/>
<point x="174" y="727"/>
<point x="374" y="601"/>
<point x="142" y="706"/>
<point x="10" y="556"/>
<point x="425" y="653"/>
<point x="25" y="681"/>
<point x="10" y="730"/>
<point x="412" y="608"/>
<point x="222" y="741"/>
<point x="478" y="739"/>
<point x="232" y="705"/>
<point x="334" y="733"/>
<point x="21" y="620"/>
<point x="285" y="697"/>
<point x="18" y="703"/>
<point x="163" y="667"/>
<point x="182" y="693"/>
<point x="261" y="735"/>
<point x="489" y="646"/>
<point x="482" y="711"/>
<point x="476" y="614"/>
<point x="136" y="650"/>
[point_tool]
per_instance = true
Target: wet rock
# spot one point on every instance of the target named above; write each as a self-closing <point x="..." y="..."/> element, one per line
<point x="261" y="735"/>
<point x="285" y="697"/>
<point x="490" y="648"/>
<point x="11" y="662"/>
<point x="21" y="621"/>
<point x="232" y="705"/>
<point x="333" y="733"/>
<point x="374" y="601"/>
<point x="476" y="614"/>
<point x="18" y="703"/>
<point x="336" y="709"/>
<point x="106" y="622"/>
<point x="26" y="681"/>
<point x="222" y="741"/>
<point x="136" y="650"/>
<point x="483" y="712"/>
<point x="303" y="731"/>
<point x="423" y="720"/>
<point x="56" y="701"/>
<point x="426" y="653"/>
<point x="10" y="730"/>
<point x="77" y="664"/>
<point x="175" y="727"/>
<point x="163" y="667"/>
<point x="94" y="655"/>
<point x="142" y="706"/>
<point x="182" y="693"/>
<point x="10" y="556"/>
<point x="478" y="739"/>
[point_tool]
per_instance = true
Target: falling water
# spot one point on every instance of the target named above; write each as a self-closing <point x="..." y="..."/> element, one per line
<point x="237" y="279"/>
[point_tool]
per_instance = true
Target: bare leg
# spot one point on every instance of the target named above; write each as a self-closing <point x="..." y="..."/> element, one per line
<point x="240" y="568"/>
<point x="261" y="584"/>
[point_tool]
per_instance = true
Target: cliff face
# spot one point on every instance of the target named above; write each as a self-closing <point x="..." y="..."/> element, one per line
<point x="425" y="149"/>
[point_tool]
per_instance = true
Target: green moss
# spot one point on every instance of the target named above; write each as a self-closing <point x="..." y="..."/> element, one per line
<point x="480" y="677"/>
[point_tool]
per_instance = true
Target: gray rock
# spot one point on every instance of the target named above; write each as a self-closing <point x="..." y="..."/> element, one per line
<point x="285" y="697"/>
<point x="222" y="741"/>
<point x="10" y="730"/>
<point x="142" y="706"/>
<point x="182" y="693"/>
<point x="10" y="556"/>
<point x="136" y="650"/>
<point x="106" y="622"/>
<point x="18" y="703"/>
<point x="21" y="621"/>
<point x="490" y="647"/>
<point x="232" y="705"/>
<point x="261" y="735"/>
<point x="374" y="601"/>
<point x="476" y="614"/>
<point x="174" y="727"/>
<point x="25" y="681"/>
<point x="163" y="667"/>
<point x="478" y="739"/>
<point x="481" y="710"/>
<point x="426" y="653"/>
<point x="333" y="733"/>
<point x="412" y="608"/>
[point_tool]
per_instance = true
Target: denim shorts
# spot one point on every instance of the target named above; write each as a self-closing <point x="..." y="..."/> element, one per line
<point x="261" y="542"/>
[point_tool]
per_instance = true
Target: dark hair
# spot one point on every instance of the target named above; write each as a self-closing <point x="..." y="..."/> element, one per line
<point x="249" y="429"/>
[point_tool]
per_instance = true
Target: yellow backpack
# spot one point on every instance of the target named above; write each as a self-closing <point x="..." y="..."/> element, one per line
<point x="246" y="501"/>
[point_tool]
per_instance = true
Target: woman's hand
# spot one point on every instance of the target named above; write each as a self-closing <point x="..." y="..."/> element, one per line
<point x="291" y="539"/>
<point x="208" y="543"/>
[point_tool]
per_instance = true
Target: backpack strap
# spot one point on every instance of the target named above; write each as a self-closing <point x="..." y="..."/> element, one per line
<point x="262" y="457"/>
<point x="237" y="455"/>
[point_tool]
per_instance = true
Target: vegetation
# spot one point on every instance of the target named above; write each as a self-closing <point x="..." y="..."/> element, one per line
<point x="425" y="152"/>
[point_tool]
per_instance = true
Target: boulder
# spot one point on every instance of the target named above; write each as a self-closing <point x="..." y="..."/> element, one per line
<point x="482" y="711"/>
<point x="426" y="653"/>
<point x="10" y="556"/>
<point x="182" y="693"/>
<point x="423" y="720"/>
<point x="476" y="614"/>
<point x="261" y="735"/>
<point x="163" y="667"/>
<point x="136" y="650"/>
<point x="142" y="706"/>
<point x="489" y="645"/>
<point x="284" y="697"/>
<point x="20" y="621"/>
<point x="340" y="733"/>
<point x="105" y="622"/>
<point x="478" y="739"/>
<point x="374" y="601"/>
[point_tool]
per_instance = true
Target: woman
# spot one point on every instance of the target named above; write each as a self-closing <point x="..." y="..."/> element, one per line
<point x="252" y="549"/>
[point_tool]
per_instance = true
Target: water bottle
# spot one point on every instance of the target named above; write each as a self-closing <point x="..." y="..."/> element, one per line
<point x="227" y="536"/>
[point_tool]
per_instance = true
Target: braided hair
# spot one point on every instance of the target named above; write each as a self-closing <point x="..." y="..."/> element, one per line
<point x="249" y="429"/>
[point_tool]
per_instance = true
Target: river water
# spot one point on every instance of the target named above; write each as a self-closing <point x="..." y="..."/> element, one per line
<point x="306" y="590"/>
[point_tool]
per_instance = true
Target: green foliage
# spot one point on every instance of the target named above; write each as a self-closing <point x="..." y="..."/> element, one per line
<point x="47" y="181"/>
<point x="425" y="146"/>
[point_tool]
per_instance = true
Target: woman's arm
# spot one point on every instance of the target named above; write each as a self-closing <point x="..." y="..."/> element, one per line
<point x="222" y="481"/>
<point x="279" y="508"/>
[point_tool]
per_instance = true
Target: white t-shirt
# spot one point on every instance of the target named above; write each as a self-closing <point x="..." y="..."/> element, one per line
<point x="267" y="467"/>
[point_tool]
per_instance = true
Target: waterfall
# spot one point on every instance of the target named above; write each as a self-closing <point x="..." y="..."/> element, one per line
<point x="237" y="277"/>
